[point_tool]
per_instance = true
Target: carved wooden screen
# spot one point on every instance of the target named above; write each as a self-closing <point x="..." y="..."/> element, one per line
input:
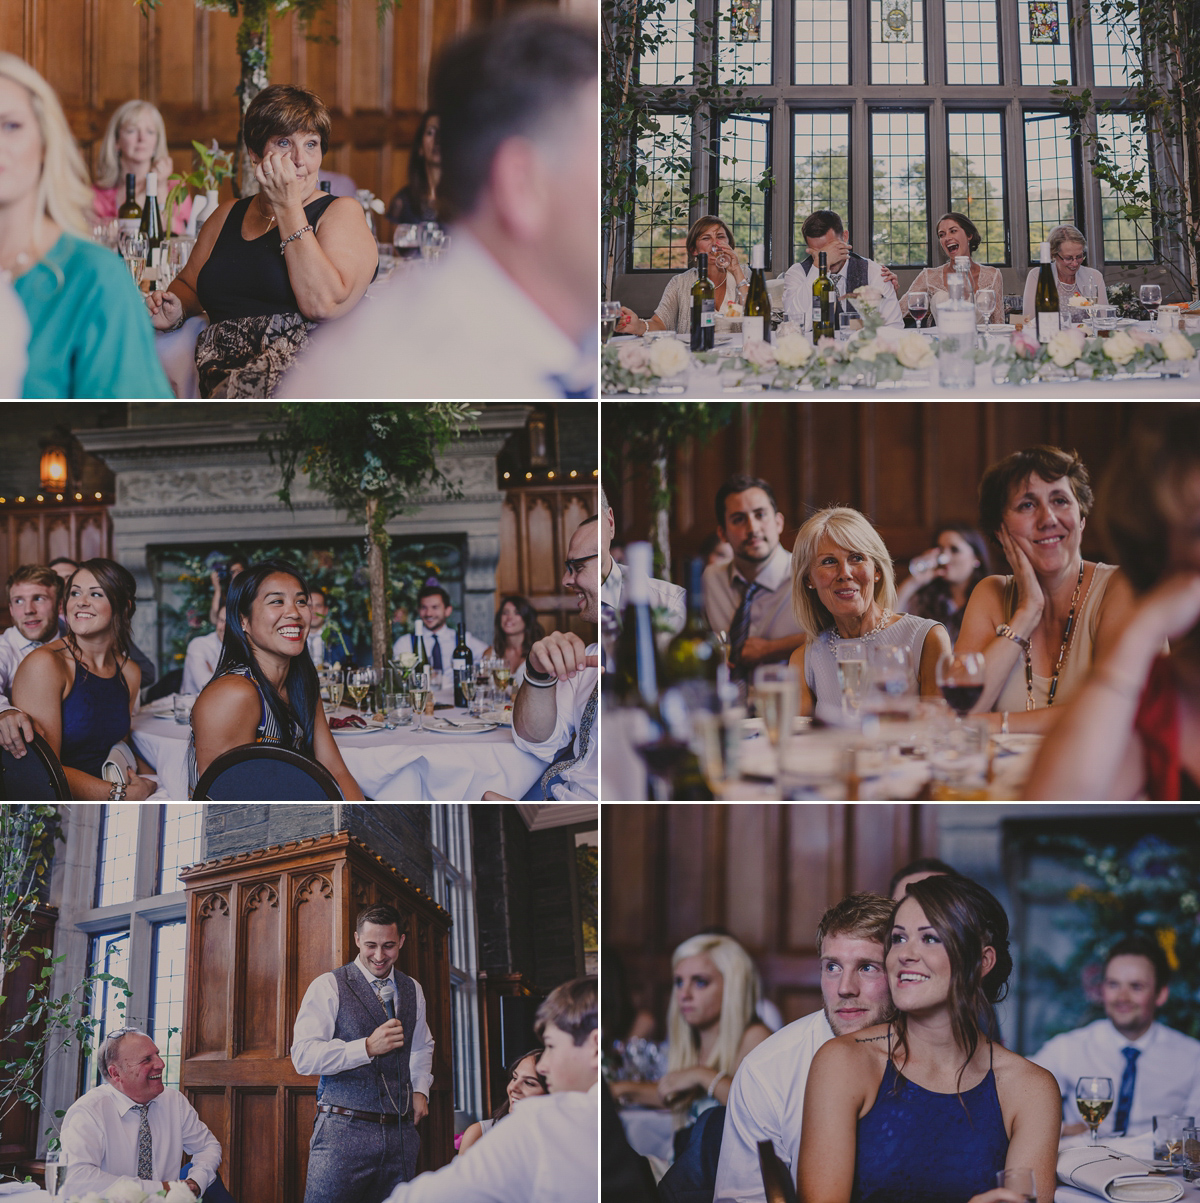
<point x="261" y="927"/>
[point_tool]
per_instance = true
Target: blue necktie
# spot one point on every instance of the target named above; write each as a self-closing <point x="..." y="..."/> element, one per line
<point x="435" y="659"/>
<point x="739" y="630"/>
<point x="1125" y="1096"/>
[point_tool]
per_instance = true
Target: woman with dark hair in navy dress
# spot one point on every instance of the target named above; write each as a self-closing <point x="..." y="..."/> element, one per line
<point x="80" y="689"/>
<point x="265" y="690"/>
<point x="930" y="1107"/>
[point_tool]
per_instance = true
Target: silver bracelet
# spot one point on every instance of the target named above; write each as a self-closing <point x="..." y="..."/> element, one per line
<point x="116" y="791"/>
<point x="292" y="237"/>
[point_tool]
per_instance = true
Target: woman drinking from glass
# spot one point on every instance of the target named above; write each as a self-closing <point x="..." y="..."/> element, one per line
<point x="265" y="690"/>
<point x="943" y="577"/>
<point x="80" y="690"/>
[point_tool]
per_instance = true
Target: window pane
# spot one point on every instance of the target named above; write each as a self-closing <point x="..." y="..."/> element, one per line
<point x="1049" y="176"/>
<point x="900" y="215"/>
<point x="108" y="953"/>
<point x="1115" y="50"/>
<point x="822" y="42"/>
<point x="821" y="175"/>
<point x="166" y="1006"/>
<point x="745" y="62"/>
<point x="977" y="179"/>
<point x="182" y="844"/>
<point x="897" y="62"/>
<point x="1124" y="238"/>
<point x="671" y="60"/>
<point x="972" y="42"/>
<point x="660" y="216"/>
<point x="745" y="139"/>
<point x="1043" y="63"/>
<point x="118" y="853"/>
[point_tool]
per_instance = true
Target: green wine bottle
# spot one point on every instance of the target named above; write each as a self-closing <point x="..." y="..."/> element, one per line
<point x="1045" y="299"/>
<point x="824" y="300"/>
<point x="704" y="308"/>
<point x="756" y="320"/>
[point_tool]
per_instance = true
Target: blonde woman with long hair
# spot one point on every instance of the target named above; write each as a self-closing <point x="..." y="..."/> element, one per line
<point x="135" y="143"/>
<point x="711" y="1025"/>
<point x="91" y="334"/>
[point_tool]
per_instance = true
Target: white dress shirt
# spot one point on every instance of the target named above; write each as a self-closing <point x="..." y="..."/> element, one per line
<point x="200" y="662"/>
<point x="1168" y="1071"/>
<point x="446" y="637"/>
<point x="14" y="341"/>
<point x="100" y="1141"/>
<point x="581" y="782"/>
<point x="316" y="1051"/>
<point x="663" y="596"/>
<point x="766" y="1102"/>
<point x="399" y="343"/>
<point x="544" y="1151"/>
<point x="14" y="647"/>
<point x="771" y="614"/>
<point x="797" y="292"/>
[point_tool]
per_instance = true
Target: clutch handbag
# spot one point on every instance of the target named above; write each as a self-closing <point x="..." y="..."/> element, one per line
<point x="120" y="764"/>
<point x="1111" y="1175"/>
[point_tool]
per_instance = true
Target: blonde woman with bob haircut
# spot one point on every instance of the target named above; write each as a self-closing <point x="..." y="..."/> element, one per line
<point x="135" y="143"/>
<point x="711" y="1026"/>
<point x="91" y="336"/>
<point x="844" y="587"/>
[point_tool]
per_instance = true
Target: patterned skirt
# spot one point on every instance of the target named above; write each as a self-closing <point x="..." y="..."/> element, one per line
<point x="247" y="356"/>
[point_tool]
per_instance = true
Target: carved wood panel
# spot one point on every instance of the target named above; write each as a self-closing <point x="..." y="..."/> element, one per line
<point x="261" y="927"/>
<point x="766" y="873"/>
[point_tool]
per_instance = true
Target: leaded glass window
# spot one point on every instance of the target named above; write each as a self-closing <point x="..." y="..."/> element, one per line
<point x="977" y="179"/>
<point x="821" y="177"/>
<point x="900" y="211"/>
<point x="1050" y="176"/>
<point x="743" y="157"/>
<point x="1125" y="238"/>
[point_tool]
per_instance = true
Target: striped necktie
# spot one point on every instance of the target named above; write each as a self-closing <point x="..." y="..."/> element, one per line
<point x="145" y="1148"/>
<point x="560" y="767"/>
<point x="739" y="631"/>
<point x="1125" y="1094"/>
<point x="387" y="1004"/>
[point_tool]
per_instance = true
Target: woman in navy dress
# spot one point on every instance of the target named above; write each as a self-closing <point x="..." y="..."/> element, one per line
<point x="80" y="689"/>
<point x="928" y="1108"/>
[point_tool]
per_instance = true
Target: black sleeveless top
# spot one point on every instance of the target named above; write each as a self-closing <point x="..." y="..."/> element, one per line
<point x="248" y="278"/>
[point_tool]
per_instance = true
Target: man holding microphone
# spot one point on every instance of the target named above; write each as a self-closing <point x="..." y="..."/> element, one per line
<point x="363" y="1029"/>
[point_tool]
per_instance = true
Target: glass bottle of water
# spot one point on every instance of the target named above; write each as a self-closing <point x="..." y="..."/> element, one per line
<point x="956" y="337"/>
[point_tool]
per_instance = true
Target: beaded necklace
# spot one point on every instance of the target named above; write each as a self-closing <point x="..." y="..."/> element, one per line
<point x="835" y="634"/>
<point x="1062" y="651"/>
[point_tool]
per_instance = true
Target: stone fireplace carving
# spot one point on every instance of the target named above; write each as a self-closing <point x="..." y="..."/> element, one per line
<point x="184" y="484"/>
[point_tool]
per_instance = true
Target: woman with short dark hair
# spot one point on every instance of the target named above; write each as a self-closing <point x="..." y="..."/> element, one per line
<point x="265" y="690"/>
<point x="1041" y="628"/>
<point x="269" y="267"/>
<point x="929" y="1107"/>
<point x="80" y="690"/>
<point x="709" y="235"/>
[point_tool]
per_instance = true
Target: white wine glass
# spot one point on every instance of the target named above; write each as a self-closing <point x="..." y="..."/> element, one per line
<point x="918" y="306"/>
<point x="136" y="250"/>
<point x="1094" y="1098"/>
<point x="985" y="306"/>
<point x="419" y="692"/>
<point x="610" y="315"/>
<point x="359" y="682"/>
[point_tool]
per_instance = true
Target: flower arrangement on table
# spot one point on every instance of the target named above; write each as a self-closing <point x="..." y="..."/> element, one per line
<point x="1127" y="303"/>
<point x="1072" y="354"/>
<point x="214" y="166"/>
<point x="638" y="368"/>
<point x="129" y="1190"/>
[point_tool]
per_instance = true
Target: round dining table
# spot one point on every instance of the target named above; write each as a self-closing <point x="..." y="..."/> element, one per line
<point x="398" y="765"/>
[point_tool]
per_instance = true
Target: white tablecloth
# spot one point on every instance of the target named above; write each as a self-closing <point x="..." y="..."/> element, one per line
<point x="390" y="766"/>
<point x="177" y="354"/>
<point x="1134" y="1146"/>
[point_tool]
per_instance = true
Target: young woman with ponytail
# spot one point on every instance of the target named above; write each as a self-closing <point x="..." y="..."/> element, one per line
<point x="928" y="1108"/>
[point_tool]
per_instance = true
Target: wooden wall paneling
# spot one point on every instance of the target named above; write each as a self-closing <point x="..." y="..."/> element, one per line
<point x="748" y="898"/>
<point x="212" y="1105"/>
<point x="260" y="970"/>
<point x="300" y="1108"/>
<point x="255" y="1163"/>
<point x="692" y="892"/>
<point x="815" y="848"/>
<point x="210" y="979"/>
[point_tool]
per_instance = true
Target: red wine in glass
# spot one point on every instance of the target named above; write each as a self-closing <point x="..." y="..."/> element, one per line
<point x="918" y="313"/>
<point x="962" y="698"/>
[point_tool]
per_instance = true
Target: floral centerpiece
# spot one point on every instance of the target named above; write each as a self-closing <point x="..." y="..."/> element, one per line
<point x="214" y="165"/>
<point x="1125" y="299"/>
<point x="129" y="1190"/>
<point x="1071" y="354"/>
<point x="638" y="368"/>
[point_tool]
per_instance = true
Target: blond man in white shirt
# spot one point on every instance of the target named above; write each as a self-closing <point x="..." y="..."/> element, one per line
<point x="34" y="592"/>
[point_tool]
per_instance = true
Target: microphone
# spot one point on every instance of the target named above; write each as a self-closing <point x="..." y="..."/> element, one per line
<point x="387" y="996"/>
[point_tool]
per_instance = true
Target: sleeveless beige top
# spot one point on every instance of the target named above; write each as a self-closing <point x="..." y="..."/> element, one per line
<point x="1079" y="656"/>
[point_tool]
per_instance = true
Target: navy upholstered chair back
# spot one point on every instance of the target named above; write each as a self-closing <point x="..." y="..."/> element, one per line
<point x="35" y="777"/>
<point x="256" y="772"/>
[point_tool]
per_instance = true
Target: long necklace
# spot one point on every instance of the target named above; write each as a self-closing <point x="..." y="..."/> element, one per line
<point x="1062" y="652"/>
<point x="835" y="635"/>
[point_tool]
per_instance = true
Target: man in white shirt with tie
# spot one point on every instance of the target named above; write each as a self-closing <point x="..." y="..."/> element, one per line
<point x="437" y="636"/>
<point x="132" y="1126"/>
<point x="1155" y="1070"/>
<point x="203" y="656"/>
<point x="766" y="1100"/>
<point x="545" y="1151"/>
<point x="336" y="650"/>
<point x="750" y="596"/>
<point x="34" y="592"/>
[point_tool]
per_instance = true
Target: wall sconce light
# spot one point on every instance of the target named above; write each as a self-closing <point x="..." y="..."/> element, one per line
<point x="53" y="468"/>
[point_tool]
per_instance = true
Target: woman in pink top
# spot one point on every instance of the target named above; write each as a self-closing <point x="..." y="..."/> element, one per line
<point x="135" y="141"/>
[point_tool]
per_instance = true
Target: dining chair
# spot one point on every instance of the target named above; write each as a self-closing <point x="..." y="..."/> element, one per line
<point x="263" y="773"/>
<point x="777" y="1182"/>
<point x="35" y="777"/>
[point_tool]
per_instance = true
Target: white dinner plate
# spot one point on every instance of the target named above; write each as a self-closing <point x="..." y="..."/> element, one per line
<point x="369" y="729"/>
<point x="465" y="726"/>
<point x="165" y="714"/>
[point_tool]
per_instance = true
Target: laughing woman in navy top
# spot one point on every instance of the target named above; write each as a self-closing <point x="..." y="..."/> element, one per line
<point x="269" y="267"/>
<point x="80" y="689"/>
<point x="928" y="1108"/>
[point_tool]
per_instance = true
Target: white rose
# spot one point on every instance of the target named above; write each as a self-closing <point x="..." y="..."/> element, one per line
<point x="1119" y="347"/>
<point x="126" y="1190"/>
<point x="634" y="357"/>
<point x="1175" y="346"/>
<point x="668" y="356"/>
<point x="1065" y="347"/>
<point x="868" y="294"/>
<point x="866" y="350"/>
<point x="379" y="207"/>
<point x="793" y="351"/>
<point x="759" y="353"/>
<point x="914" y="352"/>
<point x="180" y="1192"/>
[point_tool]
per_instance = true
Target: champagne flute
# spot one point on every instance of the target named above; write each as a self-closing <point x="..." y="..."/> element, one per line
<point x="1150" y="296"/>
<point x="610" y="314"/>
<point x="419" y="695"/>
<point x="1094" y="1098"/>
<point x="467" y="685"/>
<point x="960" y="677"/>
<point x="502" y="674"/>
<point x="135" y="258"/>
<point x="359" y="684"/>
<point x="985" y="305"/>
<point x="918" y="306"/>
<point x="775" y="690"/>
<point x="851" y="658"/>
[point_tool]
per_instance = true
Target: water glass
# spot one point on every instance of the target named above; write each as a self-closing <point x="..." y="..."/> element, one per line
<point x="432" y="237"/>
<point x="1104" y="320"/>
<point x="610" y="314"/>
<point x="56" y="1172"/>
<point x="1191" y="1154"/>
<point x="398" y="710"/>
<point x="179" y="250"/>
<point x="985" y="305"/>
<point x="776" y="687"/>
<point x="1168" y="1137"/>
<point x="959" y="762"/>
<point x="851" y="658"/>
<point x="387" y="259"/>
<point x="183" y="708"/>
<point x="891" y="683"/>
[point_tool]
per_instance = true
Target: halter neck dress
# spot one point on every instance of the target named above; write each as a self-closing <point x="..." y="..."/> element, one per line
<point x="95" y="715"/>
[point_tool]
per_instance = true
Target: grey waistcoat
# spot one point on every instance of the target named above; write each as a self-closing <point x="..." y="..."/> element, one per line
<point x="383" y="1083"/>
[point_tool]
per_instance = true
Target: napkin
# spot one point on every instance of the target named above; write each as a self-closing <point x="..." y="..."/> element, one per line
<point x="1111" y="1175"/>
<point x="351" y="720"/>
<point x="17" y="1188"/>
